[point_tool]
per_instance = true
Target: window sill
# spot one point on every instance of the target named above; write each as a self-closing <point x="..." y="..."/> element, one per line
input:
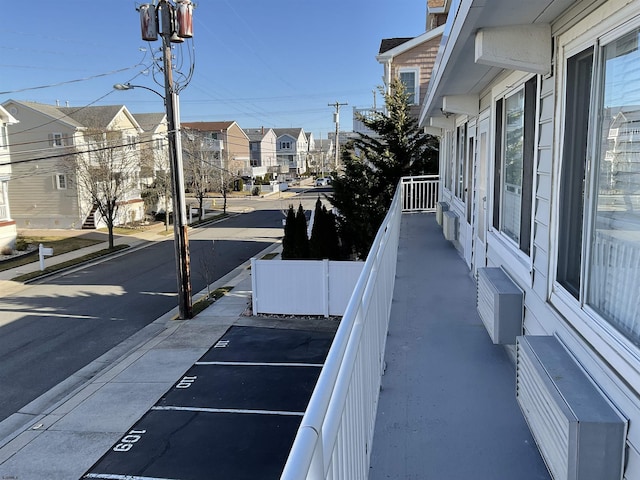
<point x="514" y="261"/>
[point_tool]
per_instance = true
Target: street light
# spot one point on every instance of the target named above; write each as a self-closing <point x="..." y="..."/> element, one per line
<point x="128" y="86"/>
<point x="173" y="22"/>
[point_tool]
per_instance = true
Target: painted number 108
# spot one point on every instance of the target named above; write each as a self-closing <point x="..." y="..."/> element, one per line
<point x="129" y="440"/>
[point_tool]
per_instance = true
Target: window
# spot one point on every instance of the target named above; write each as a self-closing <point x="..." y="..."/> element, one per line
<point x="572" y="180"/>
<point x="4" y="136"/>
<point x="158" y="144"/>
<point x="61" y="181"/>
<point x="409" y="77"/>
<point x="599" y="219"/>
<point x="4" y="202"/>
<point x="56" y="140"/>
<point x="460" y="161"/>
<point x="513" y="182"/>
<point x="130" y="142"/>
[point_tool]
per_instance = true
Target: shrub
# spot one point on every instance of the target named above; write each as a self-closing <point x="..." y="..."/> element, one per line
<point x="6" y="250"/>
<point x="21" y="244"/>
<point x="255" y="191"/>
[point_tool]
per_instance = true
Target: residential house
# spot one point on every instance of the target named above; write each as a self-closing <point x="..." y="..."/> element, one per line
<point x="262" y="148"/>
<point x="44" y="191"/>
<point x="538" y="112"/>
<point x="291" y="147"/>
<point x="7" y="224"/>
<point x="230" y="141"/>
<point x="411" y="60"/>
<point x="155" y="170"/>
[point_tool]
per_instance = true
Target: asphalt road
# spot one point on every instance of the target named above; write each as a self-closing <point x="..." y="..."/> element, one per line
<point x="50" y="330"/>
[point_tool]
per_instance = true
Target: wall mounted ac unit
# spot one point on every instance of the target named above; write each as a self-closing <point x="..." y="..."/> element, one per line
<point x="441" y="207"/>
<point x="500" y="305"/>
<point x="580" y="435"/>
<point x="450" y="225"/>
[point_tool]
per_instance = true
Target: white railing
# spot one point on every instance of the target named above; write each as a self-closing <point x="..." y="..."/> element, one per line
<point x="419" y="194"/>
<point x="335" y="436"/>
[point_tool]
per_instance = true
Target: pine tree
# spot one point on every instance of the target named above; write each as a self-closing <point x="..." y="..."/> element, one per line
<point x="301" y="238"/>
<point x="288" y="242"/>
<point x="373" y="166"/>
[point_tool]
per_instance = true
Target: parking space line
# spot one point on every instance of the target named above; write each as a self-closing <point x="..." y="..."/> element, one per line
<point x="226" y="410"/>
<point x="259" y="364"/>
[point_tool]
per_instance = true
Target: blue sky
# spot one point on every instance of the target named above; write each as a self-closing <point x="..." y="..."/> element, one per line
<point x="272" y="64"/>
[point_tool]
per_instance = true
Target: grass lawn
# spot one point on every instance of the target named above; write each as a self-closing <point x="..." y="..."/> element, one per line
<point x="60" y="245"/>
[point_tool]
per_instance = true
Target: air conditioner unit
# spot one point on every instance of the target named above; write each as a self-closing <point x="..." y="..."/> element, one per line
<point x="500" y="305"/>
<point x="450" y="225"/>
<point x="441" y="207"/>
<point x="579" y="433"/>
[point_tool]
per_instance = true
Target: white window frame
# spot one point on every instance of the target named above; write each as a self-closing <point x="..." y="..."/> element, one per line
<point x="416" y="82"/>
<point x="4" y="136"/>
<point x="62" y="182"/>
<point x="57" y="140"/>
<point x="595" y="31"/>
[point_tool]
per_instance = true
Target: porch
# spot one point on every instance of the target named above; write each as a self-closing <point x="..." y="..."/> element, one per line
<point x="413" y="387"/>
<point x="447" y="405"/>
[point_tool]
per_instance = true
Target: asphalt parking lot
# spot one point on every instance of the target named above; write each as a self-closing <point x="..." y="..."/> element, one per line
<point x="232" y="416"/>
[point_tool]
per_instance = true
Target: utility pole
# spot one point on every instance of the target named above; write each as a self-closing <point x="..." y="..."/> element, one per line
<point x="336" y="119"/>
<point x="173" y="23"/>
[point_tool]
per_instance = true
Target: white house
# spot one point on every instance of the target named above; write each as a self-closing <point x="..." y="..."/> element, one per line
<point x="537" y="105"/>
<point x="43" y="190"/>
<point x="7" y="224"/>
<point x="291" y="147"/>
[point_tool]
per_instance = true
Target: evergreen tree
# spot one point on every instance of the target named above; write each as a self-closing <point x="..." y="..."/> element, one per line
<point x="373" y="166"/>
<point x="324" y="242"/>
<point x="301" y="238"/>
<point x="288" y="242"/>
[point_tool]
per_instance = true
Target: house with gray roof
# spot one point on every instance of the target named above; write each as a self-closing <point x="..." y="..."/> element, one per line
<point x="262" y="150"/>
<point x="44" y="189"/>
<point x="292" y="148"/>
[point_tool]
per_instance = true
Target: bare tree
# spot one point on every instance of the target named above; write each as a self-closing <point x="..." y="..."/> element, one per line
<point x="228" y="170"/>
<point x="107" y="174"/>
<point x="199" y="166"/>
<point x="154" y="170"/>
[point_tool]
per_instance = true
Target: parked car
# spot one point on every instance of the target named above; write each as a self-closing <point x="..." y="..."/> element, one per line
<point x="321" y="182"/>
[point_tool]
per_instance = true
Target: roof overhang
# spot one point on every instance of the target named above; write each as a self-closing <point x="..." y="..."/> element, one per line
<point x="425" y="37"/>
<point x="476" y="45"/>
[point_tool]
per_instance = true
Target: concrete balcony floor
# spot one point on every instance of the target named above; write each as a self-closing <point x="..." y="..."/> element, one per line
<point x="447" y="408"/>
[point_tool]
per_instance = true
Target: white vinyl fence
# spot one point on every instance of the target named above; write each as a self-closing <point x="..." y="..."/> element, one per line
<point x="334" y="438"/>
<point x="303" y="287"/>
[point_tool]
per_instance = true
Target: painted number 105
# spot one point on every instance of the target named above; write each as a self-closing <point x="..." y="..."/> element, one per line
<point x="129" y="440"/>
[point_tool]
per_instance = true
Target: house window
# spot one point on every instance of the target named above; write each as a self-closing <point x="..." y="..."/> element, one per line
<point x="4" y="136"/>
<point x="61" y="181"/>
<point x="4" y="214"/>
<point x="409" y="77"/>
<point x="158" y="144"/>
<point x="460" y="161"/>
<point x="131" y="142"/>
<point x="513" y="182"/>
<point x="56" y="140"/>
<point x="605" y="274"/>
<point x="572" y="180"/>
